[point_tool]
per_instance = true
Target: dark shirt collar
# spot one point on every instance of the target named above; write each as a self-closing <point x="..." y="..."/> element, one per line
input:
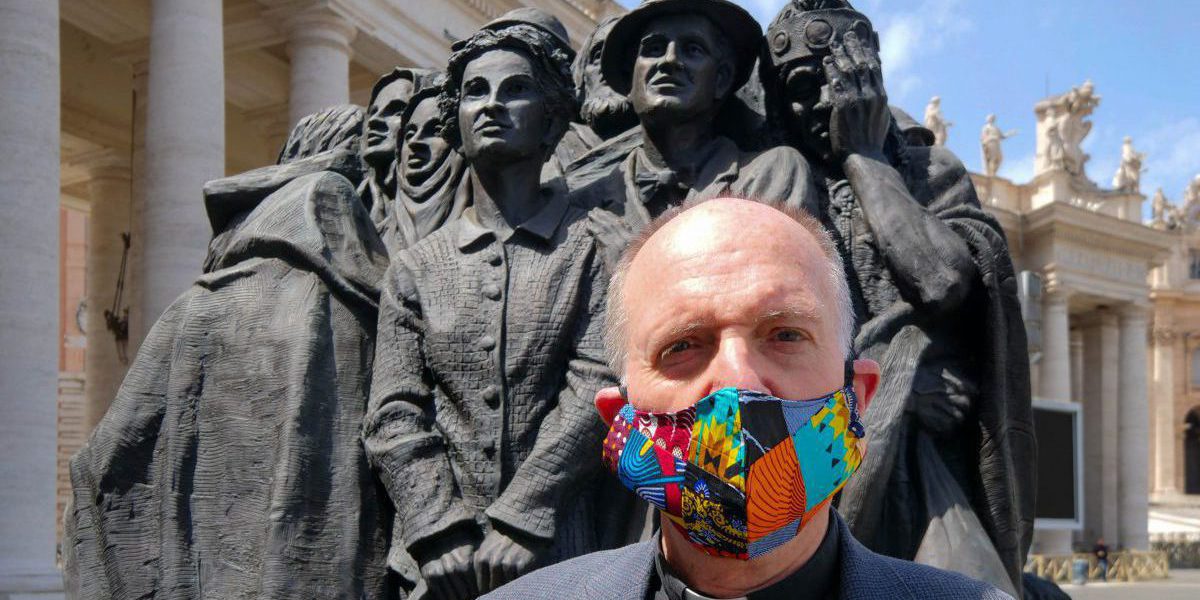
<point x="716" y="172"/>
<point x="816" y="579"/>
<point x="542" y="225"/>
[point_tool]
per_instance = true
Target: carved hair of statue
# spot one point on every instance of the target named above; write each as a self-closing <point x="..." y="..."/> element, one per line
<point x="336" y="127"/>
<point x="551" y="60"/>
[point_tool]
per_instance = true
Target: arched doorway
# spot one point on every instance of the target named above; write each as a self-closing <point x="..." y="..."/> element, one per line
<point x="1191" y="452"/>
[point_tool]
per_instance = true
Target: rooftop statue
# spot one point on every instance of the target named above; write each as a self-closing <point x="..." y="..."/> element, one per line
<point x="936" y="303"/>
<point x="1062" y="126"/>
<point x="1129" y="174"/>
<point x="936" y="122"/>
<point x="229" y="464"/>
<point x="990" y="140"/>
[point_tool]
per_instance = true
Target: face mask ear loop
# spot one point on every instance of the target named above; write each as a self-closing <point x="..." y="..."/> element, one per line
<point x="855" y="426"/>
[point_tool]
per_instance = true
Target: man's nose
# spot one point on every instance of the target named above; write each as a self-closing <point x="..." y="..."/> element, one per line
<point x="670" y="57"/>
<point x="736" y="365"/>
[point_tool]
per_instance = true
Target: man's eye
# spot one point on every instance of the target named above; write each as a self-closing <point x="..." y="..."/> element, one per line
<point x="475" y="89"/>
<point x="652" y="49"/>
<point x="788" y="335"/>
<point x="696" y="49"/>
<point x="677" y="347"/>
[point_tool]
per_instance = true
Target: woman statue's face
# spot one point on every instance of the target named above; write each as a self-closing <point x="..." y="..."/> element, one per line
<point x="422" y="150"/>
<point x="502" y="112"/>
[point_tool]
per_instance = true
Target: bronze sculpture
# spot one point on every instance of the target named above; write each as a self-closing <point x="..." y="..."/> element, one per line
<point x="935" y="297"/>
<point x="229" y="463"/>
<point x="679" y="61"/>
<point x="432" y="186"/>
<point x="480" y="424"/>
<point x="380" y="136"/>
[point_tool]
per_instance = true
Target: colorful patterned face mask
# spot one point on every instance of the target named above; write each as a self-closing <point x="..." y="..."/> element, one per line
<point x="740" y="472"/>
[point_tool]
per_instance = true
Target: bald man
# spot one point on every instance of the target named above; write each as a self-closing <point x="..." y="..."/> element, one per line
<point x="739" y="420"/>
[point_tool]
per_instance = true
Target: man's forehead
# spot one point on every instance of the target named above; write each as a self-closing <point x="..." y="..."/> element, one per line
<point x="400" y="89"/>
<point x="498" y="64"/>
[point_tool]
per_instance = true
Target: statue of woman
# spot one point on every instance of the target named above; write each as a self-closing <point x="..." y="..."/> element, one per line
<point x="431" y="187"/>
<point x="480" y="423"/>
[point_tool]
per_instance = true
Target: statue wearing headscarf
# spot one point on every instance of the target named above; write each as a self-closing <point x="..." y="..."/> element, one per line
<point x="432" y="186"/>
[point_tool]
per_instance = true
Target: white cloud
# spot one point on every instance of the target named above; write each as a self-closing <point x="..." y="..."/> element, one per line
<point x="1172" y="156"/>
<point x="906" y="36"/>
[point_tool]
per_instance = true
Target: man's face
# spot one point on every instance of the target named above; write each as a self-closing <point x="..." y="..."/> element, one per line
<point x="502" y="112"/>
<point x="383" y="123"/>
<point x="678" y="74"/>
<point x="808" y="117"/>
<point x="423" y="149"/>
<point x="604" y="110"/>
<point x="710" y="307"/>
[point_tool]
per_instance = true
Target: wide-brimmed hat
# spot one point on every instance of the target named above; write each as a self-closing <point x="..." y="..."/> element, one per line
<point x="744" y="34"/>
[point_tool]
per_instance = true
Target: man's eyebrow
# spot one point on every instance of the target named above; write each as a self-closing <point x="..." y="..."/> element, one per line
<point x="686" y="329"/>
<point x="802" y="313"/>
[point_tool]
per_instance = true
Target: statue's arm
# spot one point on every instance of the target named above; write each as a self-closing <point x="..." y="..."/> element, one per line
<point x="402" y="444"/>
<point x="568" y="447"/>
<point x="930" y="262"/>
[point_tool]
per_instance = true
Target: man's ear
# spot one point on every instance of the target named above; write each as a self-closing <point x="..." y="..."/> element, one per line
<point x="609" y="402"/>
<point x="724" y="80"/>
<point x="866" y="382"/>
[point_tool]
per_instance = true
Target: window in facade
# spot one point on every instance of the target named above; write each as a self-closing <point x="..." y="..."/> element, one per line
<point x="1194" y="264"/>
<point x="1196" y="368"/>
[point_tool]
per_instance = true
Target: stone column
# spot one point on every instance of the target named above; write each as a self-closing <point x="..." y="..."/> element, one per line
<point x="1055" y="380"/>
<point x="137" y="250"/>
<point x="109" y="191"/>
<point x="1076" y="366"/>
<point x="319" y="47"/>
<point x="1100" y="355"/>
<point x="185" y="145"/>
<point x="1133" y="435"/>
<point x="1163" y="399"/>
<point x="29" y="283"/>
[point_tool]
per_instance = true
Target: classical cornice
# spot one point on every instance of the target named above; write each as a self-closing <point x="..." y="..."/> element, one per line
<point x="1089" y="228"/>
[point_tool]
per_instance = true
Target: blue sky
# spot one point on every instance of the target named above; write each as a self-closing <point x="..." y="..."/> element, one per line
<point x="1003" y="56"/>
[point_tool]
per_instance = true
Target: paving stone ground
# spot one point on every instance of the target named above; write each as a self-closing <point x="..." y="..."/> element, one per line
<point x="1184" y="584"/>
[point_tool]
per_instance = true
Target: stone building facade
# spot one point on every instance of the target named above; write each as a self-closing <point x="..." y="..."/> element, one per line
<point x="1115" y="332"/>
<point x="119" y="111"/>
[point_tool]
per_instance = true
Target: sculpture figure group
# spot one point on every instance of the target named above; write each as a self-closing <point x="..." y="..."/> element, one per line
<point x="381" y="386"/>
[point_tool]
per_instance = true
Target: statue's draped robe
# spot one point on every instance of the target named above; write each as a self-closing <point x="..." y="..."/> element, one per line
<point x="916" y="495"/>
<point x="229" y="465"/>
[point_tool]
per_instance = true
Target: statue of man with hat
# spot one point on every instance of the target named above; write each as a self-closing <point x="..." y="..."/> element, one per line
<point x="946" y="479"/>
<point x="678" y="61"/>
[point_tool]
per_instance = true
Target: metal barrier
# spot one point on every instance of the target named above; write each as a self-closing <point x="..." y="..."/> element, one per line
<point x="1125" y="565"/>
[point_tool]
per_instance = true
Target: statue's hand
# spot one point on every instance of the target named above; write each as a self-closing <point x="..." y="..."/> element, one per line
<point x="446" y="567"/>
<point x="942" y="407"/>
<point x="859" y="118"/>
<point x="611" y="233"/>
<point x="504" y="556"/>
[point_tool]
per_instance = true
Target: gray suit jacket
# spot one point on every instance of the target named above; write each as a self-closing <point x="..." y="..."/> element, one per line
<point x="626" y="574"/>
